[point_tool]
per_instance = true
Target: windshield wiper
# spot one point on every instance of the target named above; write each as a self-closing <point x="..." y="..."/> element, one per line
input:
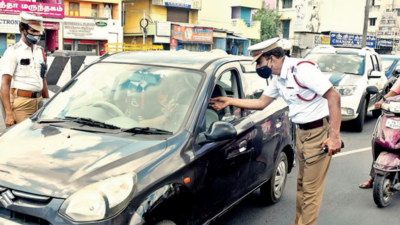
<point x="92" y="122"/>
<point x="146" y="130"/>
<point x="52" y="121"/>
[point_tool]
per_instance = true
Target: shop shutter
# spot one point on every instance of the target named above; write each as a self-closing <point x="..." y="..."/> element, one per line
<point x="3" y="43"/>
<point x="177" y="15"/>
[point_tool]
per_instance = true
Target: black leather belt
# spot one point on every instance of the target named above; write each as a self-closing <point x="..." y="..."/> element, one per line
<point x="313" y="124"/>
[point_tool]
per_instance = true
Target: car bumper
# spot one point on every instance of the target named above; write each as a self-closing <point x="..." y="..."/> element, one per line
<point x="48" y="214"/>
<point x="349" y="107"/>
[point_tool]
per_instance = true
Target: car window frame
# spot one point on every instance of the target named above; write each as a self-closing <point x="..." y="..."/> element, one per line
<point x="378" y="62"/>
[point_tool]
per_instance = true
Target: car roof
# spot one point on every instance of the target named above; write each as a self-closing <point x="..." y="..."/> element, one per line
<point x="390" y="57"/>
<point x="328" y="49"/>
<point x="186" y="59"/>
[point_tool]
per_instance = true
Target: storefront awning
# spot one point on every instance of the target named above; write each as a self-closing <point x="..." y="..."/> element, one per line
<point x="236" y="38"/>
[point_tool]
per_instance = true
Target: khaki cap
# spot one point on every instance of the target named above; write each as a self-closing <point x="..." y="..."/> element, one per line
<point x="36" y="22"/>
<point x="259" y="49"/>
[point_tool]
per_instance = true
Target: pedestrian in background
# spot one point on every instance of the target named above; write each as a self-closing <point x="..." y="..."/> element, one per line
<point x="23" y="72"/>
<point x="314" y="106"/>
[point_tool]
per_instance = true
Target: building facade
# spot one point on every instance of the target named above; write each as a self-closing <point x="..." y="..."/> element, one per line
<point x="89" y="25"/>
<point x="52" y="12"/>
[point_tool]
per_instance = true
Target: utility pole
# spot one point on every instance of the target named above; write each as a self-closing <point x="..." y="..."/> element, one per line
<point x="144" y="35"/>
<point x="366" y="15"/>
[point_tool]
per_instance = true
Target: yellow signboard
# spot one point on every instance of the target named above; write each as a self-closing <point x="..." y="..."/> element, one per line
<point x="10" y="40"/>
<point x="325" y="40"/>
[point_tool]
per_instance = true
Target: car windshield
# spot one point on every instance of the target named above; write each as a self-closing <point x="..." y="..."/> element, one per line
<point x="127" y="96"/>
<point x="343" y="63"/>
<point x="387" y="63"/>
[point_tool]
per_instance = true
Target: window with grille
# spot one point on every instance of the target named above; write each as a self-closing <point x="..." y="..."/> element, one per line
<point x="285" y="28"/>
<point x="372" y="21"/>
<point x="95" y="10"/>
<point x="74" y="9"/>
<point x="287" y="4"/>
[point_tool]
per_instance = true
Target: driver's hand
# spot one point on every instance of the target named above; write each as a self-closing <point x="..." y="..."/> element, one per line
<point x="219" y="103"/>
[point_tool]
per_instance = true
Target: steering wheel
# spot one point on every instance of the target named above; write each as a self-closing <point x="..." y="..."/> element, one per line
<point x="108" y="105"/>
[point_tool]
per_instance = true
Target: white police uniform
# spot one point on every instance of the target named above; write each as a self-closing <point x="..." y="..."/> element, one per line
<point x="302" y="85"/>
<point x="23" y="65"/>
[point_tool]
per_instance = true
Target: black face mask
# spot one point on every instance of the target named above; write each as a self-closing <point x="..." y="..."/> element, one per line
<point x="264" y="72"/>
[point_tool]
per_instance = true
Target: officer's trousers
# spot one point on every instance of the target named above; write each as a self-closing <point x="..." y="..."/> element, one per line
<point x="312" y="173"/>
<point x="23" y="107"/>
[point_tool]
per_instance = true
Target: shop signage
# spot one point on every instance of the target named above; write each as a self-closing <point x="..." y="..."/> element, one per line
<point x="192" y="34"/>
<point x="321" y="40"/>
<point x="9" y="23"/>
<point x="10" y="40"/>
<point x="219" y="35"/>
<point x="41" y="9"/>
<point x="101" y="24"/>
<point x="188" y="4"/>
<point x="163" y="29"/>
<point x="350" y="40"/>
<point x="51" y="26"/>
<point x="386" y="43"/>
<point x="84" y="29"/>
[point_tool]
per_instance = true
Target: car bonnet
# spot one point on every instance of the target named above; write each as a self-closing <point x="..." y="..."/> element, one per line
<point x="55" y="162"/>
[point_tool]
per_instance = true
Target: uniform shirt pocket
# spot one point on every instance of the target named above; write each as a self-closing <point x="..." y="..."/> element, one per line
<point x="23" y="70"/>
<point x="291" y="94"/>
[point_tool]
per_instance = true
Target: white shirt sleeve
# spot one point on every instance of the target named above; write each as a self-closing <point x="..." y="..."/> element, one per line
<point x="272" y="89"/>
<point x="8" y="62"/>
<point x="310" y="76"/>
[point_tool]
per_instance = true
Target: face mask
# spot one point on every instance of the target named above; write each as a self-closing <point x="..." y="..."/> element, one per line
<point x="264" y="72"/>
<point x="33" y="39"/>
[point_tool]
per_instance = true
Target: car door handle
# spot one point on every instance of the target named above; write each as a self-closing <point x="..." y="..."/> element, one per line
<point x="242" y="146"/>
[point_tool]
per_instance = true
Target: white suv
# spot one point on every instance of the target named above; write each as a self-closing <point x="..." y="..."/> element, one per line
<point x="351" y="71"/>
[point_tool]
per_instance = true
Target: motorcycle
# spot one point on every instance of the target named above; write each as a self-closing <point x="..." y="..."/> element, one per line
<point x="386" y="150"/>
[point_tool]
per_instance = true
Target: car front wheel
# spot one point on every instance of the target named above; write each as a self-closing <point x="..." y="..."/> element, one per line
<point x="358" y="123"/>
<point x="271" y="192"/>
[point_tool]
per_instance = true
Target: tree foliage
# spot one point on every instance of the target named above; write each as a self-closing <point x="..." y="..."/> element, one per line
<point x="270" y="26"/>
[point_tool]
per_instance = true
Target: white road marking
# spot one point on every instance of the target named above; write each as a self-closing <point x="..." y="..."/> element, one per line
<point x="353" y="152"/>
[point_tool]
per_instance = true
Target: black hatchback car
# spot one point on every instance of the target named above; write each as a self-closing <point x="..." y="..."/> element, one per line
<point x="132" y="140"/>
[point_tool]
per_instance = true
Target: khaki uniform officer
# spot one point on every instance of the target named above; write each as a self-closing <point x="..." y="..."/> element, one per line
<point x="23" y="72"/>
<point x="314" y="106"/>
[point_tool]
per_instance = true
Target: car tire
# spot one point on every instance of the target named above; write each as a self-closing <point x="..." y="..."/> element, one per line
<point x="166" y="222"/>
<point x="358" y="123"/>
<point x="272" y="191"/>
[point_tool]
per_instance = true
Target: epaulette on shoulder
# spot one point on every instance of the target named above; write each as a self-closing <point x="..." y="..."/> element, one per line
<point x="17" y="45"/>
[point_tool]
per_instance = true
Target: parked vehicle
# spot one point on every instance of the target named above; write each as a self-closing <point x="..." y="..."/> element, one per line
<point x="391" y="64"/>
<point x="351" y="71"/>
<point x="132" y="140"/>
<point x="386" y="153"/>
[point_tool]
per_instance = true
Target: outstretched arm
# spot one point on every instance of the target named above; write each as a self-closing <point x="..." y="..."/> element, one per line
<point x="252" y="104"/>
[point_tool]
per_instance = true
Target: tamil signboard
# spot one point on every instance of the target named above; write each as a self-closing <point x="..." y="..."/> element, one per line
<point x="187" y="4"/>
<point x="41" y="9"/>
<point x="350" y="40"/>
<point x="193" y="34"/>
<point x="84" y="29"/>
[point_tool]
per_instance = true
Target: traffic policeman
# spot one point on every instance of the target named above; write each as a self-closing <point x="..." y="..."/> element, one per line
<point x="23" y="72"/>
<point x="314" y="106"/>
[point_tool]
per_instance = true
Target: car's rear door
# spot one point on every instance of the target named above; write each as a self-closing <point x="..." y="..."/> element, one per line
<point x="222" y="167"/>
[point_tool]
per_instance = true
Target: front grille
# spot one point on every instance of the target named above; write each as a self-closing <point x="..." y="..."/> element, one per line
<point x="13" y="197"/>
<point x="22" y="218"/>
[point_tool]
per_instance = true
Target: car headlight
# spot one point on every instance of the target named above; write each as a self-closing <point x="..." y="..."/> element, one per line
<point x="346" y="90"/>
<point x="392" y="107"/>
<point x="100" y="200"/>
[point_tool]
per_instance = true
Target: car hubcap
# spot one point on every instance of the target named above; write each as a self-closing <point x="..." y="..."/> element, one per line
<point x="280" y="179"/>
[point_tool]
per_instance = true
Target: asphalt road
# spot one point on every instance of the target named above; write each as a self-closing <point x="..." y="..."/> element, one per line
<point x="343" y="202"/>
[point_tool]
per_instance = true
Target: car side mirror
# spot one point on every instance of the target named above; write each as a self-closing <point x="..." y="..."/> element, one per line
<point x="374" y="75"/>
<point x="372" y="90"/>
<point x="218" y="131"/>
<point x="257" y="93"/>
<point x="397" y="72"/>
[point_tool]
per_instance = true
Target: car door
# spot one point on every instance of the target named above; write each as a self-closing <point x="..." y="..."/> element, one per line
<point x="269" y="124"/>
<point x="222" y="167"/>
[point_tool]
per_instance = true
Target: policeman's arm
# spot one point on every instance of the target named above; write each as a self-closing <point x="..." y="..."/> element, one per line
<point x="335" y="119"/>
<point x="5" y="93"/>
<point x="45" y="91"/>
<point x="252" y="104"/>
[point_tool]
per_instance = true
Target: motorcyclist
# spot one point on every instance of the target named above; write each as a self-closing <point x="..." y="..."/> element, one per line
<point x="395" y="90"/>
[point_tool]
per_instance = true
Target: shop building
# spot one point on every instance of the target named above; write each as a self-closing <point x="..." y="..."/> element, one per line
<point x="191" y="38"/>
<point x="52" y="12"/>
<point x="150" y="22"/>
<point x="89" y="25"/>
